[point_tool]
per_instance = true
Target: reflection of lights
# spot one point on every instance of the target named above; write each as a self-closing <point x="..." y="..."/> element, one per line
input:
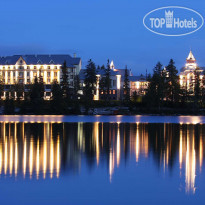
<point x="37" y="160"/>
<point x="180" y="149"/>
<point x="58" y="158"/>
<point x="96" y="137"/>
<point x="16" y="158"/>
<point x="11" y="157"/>
<point x="118" y="145"/>
<point x="24" y="158"/>
<point x="190" y="165"/>
<point x="51" y="158"/>
<point x="31" y="158"/>
<point x="5" y="157"/>
<point x="137" y="147"/>
<point x="1" y="158"/>
<point x="201" y="152"/>
<point x="111" y="164"/>
<point x="44" y="157"/>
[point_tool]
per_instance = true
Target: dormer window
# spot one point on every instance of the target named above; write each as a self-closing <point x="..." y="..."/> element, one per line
<point x="39" y="62"/>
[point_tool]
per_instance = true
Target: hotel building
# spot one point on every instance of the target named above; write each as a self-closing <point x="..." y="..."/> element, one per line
<point x="137" y="84"/>
<point x="188" y="74"/>
<point x="25" y="68"/>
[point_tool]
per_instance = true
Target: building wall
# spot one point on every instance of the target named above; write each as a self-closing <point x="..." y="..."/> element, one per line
<point x="24" y="73"/>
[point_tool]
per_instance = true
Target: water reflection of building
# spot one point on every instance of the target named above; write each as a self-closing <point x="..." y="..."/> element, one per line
<point x="190" y="145"/>
<point x="23" y="153"/>
<point x="42" y="150"/>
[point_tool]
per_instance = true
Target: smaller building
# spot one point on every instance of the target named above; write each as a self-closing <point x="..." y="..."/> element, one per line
<point x="137" y="83"/>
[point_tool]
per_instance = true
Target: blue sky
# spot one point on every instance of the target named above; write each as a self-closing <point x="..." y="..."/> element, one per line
<point x="97" y="29"/>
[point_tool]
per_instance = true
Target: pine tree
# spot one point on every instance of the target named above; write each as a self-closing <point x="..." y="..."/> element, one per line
<point x="64" y="81"/>
<point x="37" y="95"/>
<point x="203" y="89"/>
<point x="173" y="87"/>
<point x="107" y="80"/>
<point x="57" y="98"/>
<point x="90" y="81"/>
<point x="19" y="90"/>
<point x="157" y="86"/>
<point x="197" y="88"/>
<point x="76" y="86"/>
<point x="126" y="86"/>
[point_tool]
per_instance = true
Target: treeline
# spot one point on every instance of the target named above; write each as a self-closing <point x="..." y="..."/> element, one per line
<point x="165" y="90"/>
<point x="164" y="94"/>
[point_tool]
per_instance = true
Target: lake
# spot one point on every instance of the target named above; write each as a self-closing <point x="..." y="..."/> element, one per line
<point x="102" y="160"/>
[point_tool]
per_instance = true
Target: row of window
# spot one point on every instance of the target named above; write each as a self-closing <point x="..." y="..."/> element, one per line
<point x="21" y="74"/>
<point x="27" y="67"/>
<point x="110" y="92"/>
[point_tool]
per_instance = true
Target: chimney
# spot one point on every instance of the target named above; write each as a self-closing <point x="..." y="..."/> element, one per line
<point x="74" y="55"/>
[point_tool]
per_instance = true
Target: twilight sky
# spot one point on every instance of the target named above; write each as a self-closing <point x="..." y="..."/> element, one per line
<point x="97" y="29"/>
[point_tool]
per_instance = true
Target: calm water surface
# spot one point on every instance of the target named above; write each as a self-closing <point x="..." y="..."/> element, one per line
<point x="44" y="161"/>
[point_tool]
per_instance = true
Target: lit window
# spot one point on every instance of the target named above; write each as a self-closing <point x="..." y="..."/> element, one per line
<point x="113" y="92"/>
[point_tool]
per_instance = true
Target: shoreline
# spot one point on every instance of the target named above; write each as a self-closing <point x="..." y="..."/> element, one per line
<point x="182" y="119"/>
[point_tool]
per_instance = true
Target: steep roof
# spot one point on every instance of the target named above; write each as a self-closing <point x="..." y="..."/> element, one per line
<point x="137" y="78"/>
<point x="98" y="72"/>
<point x="191" y="56"/>
<point x="41" y="59"/>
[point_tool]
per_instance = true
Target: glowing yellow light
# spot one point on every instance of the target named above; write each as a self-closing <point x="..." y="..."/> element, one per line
<point x="51" y="158"/>
<point x="31" y="158"/>
<point x="16" y="158"/>
<point x="118" y="145"/>
<point x="5" y="157"/>
<point x="11" y="157"/>
<point x="24" y="158"/>
<point x="58" y="158"/>
<point x="37" y="160"/>
<point x="1" y="158"/>
<point x="137" y="147"/>
<point x="118" y="81"/>
<point x="111" y="164"/>
<point x="44" y="158"/>
<point x="96" y="137"/>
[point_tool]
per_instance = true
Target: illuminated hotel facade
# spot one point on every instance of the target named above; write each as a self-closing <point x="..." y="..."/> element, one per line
<point x="25" y="68"/>
<point x="188" y="73"/>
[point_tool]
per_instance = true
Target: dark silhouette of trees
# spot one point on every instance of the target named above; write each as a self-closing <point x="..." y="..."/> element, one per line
<point x="90" y="81"/>
<point x="57" y="103"/>
<point x="76" y="87"/>
<point x="173" y="87"/>
<point x="64" y="81"/>
<point x="37" y="95"/>
<point x="19" y="90"/>
<point x="157" y="87"/>
<point x="126" y="86"/>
